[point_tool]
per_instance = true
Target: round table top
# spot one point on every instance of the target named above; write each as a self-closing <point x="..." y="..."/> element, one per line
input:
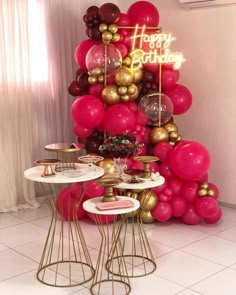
<point x="64" y="147"/>
<point x="147" y="183"/>
<point x="80" y="174"/>
<point x="90" y="206"/>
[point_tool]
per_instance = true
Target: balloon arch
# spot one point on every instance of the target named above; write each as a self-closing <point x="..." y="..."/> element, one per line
<point x="127" y="85"/>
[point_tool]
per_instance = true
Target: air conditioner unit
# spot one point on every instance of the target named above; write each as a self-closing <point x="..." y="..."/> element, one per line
<point x="193" y="4"/>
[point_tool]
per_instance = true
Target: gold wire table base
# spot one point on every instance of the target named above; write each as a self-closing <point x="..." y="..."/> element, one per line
<point x="65" y="260"/>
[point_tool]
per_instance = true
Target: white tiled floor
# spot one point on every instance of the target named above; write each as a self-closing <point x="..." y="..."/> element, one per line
<point x="191" y="260"/>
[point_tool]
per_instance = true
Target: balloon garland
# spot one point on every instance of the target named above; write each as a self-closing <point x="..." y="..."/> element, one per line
<point x="127" y="82"/>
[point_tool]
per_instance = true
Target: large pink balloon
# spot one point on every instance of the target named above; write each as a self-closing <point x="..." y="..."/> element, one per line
<point x="81" y="51"/>
<point x="189" y="160"/>
<point x="88" y="111"/>
<point x="206" y="207"/>
<point x="181" y="98"/>
<point x="119" y="119"/>
<point x="143" y="13"/>
<point x="65" y="205"/>
<point x="162" y="212"/>
<point x="191" y="217"/>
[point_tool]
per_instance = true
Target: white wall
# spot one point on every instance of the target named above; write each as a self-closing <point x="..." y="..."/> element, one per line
<point x="207" y="39"/>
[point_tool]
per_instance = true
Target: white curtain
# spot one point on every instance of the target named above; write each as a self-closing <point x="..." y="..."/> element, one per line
<point x="38" y="39"/>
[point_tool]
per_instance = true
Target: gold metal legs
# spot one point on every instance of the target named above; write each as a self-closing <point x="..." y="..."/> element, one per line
<point x="65" y="260"/>
<point x="115" y="282"/>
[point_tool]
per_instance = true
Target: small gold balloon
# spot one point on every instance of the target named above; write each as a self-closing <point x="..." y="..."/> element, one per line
<point x="102" y="28"/>
<point x="110" y="95"/>
<point x="210" y="192"/>
<point x="173" y="135"/>
<point x="202" y="192"/>
<point x="147" y="217"/>
<point x="138" y="75"/>
<point x="148" y="200"/>
<point x="132" y="89"/>
<point x="124" y="76"/>
<point x="92" y="80"/>
<point x="101" y="79"/>
<point x="113" y="28"/>
<point x="158" y="134"/>
<point x="204" y="185"/>
<point x="115" y="37"/>
<point x="96" y="71"/>
<point x="170" y="127"/>
<point x="125" y="98"/>
<point x="135" y="95"/>
<point x="107" y="165"/>
<point x="122" y="90"/>
<point x="106" y="36"/>
<point x="127" y="61"/>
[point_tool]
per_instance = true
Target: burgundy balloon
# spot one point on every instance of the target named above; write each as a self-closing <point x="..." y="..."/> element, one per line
<point x="109" y="13"/>
<point x="73" y="88"/>
<point x="83" y="83"/>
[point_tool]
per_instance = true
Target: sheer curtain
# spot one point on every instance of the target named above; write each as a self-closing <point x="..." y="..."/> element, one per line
<point x="38" y="39"/>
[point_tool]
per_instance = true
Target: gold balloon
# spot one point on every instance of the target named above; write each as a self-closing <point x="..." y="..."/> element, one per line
<point x="173" y="135"/>
<point x="107" y="165"/>
<point x="204" y="185"/>
<point x="138" y="75"/>
<point x="122" y="90"/>
<point x="92" y="80"/>
<point x="110" y="95"/>
<point x="158" y="134"/>
<point x="170" y="127"/>
<point x="202" y="192"/>
<point x="210" y="192"/>
<point x="132" y="89"/>
<point x="115" y="37"/>
<point x="147" y="217"/>
<point x="113" y="28"/>
<point x="127" y="61"/>
<point x="148" y="200"/>
<point x="102" y="28"/>
<point x="124" y="76"/>
<point x="135" y="95"/>
<point x="101" y="79"/>
<point x="106" y="36"/>
<point x="179" y="138"/>
<point x="96" y="71"/>
<point x="125" y="98"/>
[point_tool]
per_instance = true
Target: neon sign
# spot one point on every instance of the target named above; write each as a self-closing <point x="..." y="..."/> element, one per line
<point x="153" y="48"/>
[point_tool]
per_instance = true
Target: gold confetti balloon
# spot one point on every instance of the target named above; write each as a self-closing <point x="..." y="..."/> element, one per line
<point x="124" y="76"/>
<point x="148" y="200"/>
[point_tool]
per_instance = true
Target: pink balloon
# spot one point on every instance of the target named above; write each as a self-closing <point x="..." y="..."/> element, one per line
<point x="162" y="212"/>
<point x="81" y="131"/>
<point x="122" y="48"/>
<point x="94" y="189"/>
<point x="158" y="189"/>
<point x="166" y="195"/>
<point x="132" y="106"/>
<point x="191" y="217"/>
<point x="189" y="191"/>
<point x="162" y="151"/>
<point x="215" y="217"/>
<point x="175" y="184"/>
<point x="165" y="170"/>
<point x="96" y="89"/>
<point x="119" y="119"/>
<point x="181" y="98"/>
<point x="75" y="189"/>
<point x="81" y="51"/>
<point x="88" y="111"/>
<point x="215" y="188"/>
<point x="153" y="167"/>
<point x="137" y="165"/>
<point x="189" y="160"/>
<point x="202" y="178"/>
<point x="143" y="13"/>
<point x="123" y="20"/>
<point x="104" y="219"/>
<point x="65" y="205"/>
<point x="142" y="151"/>
<point x="179" y="206"/>
<point x="169" y="79"/>
<point x="206" y="207"/>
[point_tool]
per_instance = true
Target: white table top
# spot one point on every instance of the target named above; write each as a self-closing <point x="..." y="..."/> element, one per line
<point x="87" y="173"/>
<point x="147" y="183"/>
<point x="90" y="206"/>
